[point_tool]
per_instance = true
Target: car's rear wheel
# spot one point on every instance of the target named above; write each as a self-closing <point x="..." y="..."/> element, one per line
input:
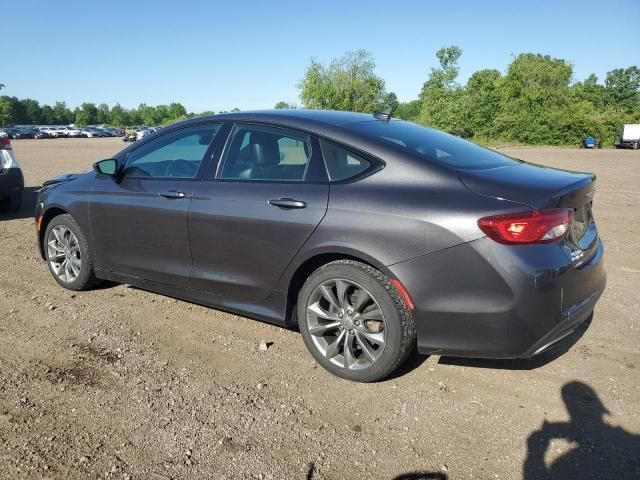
<point x="354" y="322"/>
<point x="68" y="254"/>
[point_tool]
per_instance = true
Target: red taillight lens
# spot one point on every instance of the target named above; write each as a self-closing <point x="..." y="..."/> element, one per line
<point x="5" y="143"/>
<point x="536" y="226"/>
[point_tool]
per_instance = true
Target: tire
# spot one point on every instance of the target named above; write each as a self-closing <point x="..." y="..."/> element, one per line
<point x="78" y="278"/>
<point x="396" y="328"/>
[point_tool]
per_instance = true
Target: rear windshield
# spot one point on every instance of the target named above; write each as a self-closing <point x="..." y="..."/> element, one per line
<point x="434" y="145"/>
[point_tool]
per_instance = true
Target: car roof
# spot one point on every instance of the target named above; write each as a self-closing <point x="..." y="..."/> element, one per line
<point x="285" y="116"/>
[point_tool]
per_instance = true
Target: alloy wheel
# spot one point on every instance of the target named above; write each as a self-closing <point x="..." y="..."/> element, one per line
<point x="63" y="252"/>
<point x="346" y="324"/>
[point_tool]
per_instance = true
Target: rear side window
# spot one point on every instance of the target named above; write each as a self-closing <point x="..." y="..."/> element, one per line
<point x="257" y="152"/>
<point x="342" y="163"/>
<point x="434" y="145"/>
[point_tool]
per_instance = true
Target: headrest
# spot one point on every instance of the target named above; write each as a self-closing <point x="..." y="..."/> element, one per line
<point x="264" y="150"/>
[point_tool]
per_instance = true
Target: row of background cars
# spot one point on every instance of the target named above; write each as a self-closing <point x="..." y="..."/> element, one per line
<point x="130" y="134"/>
<point x="19" y="132"/>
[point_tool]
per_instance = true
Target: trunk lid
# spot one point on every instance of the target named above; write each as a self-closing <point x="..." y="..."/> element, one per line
<point x="540" y="187"/>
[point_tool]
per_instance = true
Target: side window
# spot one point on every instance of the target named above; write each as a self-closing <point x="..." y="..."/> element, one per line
<point x="342" y="163"/>
<point x="265" y="153"/>
<point x="176" y="154"/>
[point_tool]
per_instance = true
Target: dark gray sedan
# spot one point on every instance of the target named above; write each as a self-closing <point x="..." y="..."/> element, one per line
<point x="373" y="235"/>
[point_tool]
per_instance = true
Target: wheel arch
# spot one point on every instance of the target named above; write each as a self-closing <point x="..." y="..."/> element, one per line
<point x="308" y="266"/>
<point x="47" y="216"/>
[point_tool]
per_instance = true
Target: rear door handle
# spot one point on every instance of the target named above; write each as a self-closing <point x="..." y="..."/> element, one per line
<point x="287" y="203"/>
<point x="173" y="194"/>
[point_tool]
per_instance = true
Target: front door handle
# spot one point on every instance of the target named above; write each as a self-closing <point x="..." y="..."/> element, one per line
<point x="287" y="203"/>
<point x="173" y="194"/>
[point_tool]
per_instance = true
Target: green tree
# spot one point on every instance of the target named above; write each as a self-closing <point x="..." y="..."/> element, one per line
<point x="283" y="105"/>
<point x="5" y="112"/>
<point x="63" y="115"/>
<point x="535" y="101"/>
<point x="483" y="102"/>
<point x="390" y="100"/>
<point x="87" y="114"/>
<point x="622" y="86"/>
<point x="32" y="111"/>
<point x="348" y="83"/>
<point x="408" y="110"/>
<point x="591" y="91"/>
<point x="443" y="101"/>
<point x="48" y="115"/>
<point x="176" y="110"/>
<point x="103" y="115"/>
<point x="119" y="116"/>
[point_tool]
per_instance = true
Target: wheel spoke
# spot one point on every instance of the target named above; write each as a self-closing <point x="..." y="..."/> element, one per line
<point x="56" y="233"/>
<point x="341" y="289"/>
<point x="333" y="348"/>
<point x="365" y="347"/>
<point x="75" y="266"/>
<point x="361" y="299"/>
<point x="377" y="338"/>
<point x="374" y="314"/>
<point x="322" y="329"/>
<point x="316" y="309"/>
<point x="347" y="351"/>
<point x="328" y="294"/>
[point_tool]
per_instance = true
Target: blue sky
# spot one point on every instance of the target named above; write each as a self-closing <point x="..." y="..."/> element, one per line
<point x="213" y="55"/>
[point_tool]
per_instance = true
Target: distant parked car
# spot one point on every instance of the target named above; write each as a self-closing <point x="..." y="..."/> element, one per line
<point x="590" y="142"/>
<point x="90" y="132"/>
<point x="11" y="178"/>
<point x="130" y="137"/>
<point x="49" y="131"/>
<point x="18" y="133"/>
<point x="73" y="132"/>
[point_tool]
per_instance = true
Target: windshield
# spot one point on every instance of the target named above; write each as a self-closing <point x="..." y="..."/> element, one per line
<point x="434" y="145"/>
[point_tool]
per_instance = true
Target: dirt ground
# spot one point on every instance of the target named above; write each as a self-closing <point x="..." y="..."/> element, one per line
<point x="121" y="383"/>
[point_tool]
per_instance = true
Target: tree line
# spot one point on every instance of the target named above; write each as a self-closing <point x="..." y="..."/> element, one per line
<point x="536" y="101"/>
<point x="14" y="111"/>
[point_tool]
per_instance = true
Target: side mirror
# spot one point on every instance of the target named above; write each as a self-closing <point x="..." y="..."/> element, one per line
<point x="106" y="167"/>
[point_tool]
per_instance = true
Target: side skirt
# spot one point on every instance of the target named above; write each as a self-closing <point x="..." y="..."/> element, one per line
<point x="271" y="310"/>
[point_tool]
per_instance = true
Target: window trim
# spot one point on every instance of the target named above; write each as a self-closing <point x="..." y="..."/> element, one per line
<point x="225" y="149"/>
<point x="208" y="154"/>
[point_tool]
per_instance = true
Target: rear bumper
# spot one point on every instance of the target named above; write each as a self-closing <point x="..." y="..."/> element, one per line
<point x="487" y="300"/>
<point x="11" y="182"/>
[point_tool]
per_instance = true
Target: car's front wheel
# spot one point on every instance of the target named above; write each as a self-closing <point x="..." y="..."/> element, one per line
<point x="68" y="255"/>
<point x="354" y="322"/>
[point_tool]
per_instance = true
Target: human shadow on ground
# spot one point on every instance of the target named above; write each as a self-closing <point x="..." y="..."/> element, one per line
<point x="27" y="209"/>
<point x="598" y="450"/>
<point x="554" y="352"/>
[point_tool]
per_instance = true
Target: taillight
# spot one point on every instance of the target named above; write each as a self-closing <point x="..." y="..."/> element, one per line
<point x="536" y="226"/>
<point x="5" y="143"/>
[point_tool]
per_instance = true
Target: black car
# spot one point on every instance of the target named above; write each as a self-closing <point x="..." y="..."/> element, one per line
<point x="373" y="235"/>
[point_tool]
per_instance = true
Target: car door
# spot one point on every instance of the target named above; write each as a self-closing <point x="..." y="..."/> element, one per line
<point x="139" y="218"/>
<point x="248" y="222"/>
